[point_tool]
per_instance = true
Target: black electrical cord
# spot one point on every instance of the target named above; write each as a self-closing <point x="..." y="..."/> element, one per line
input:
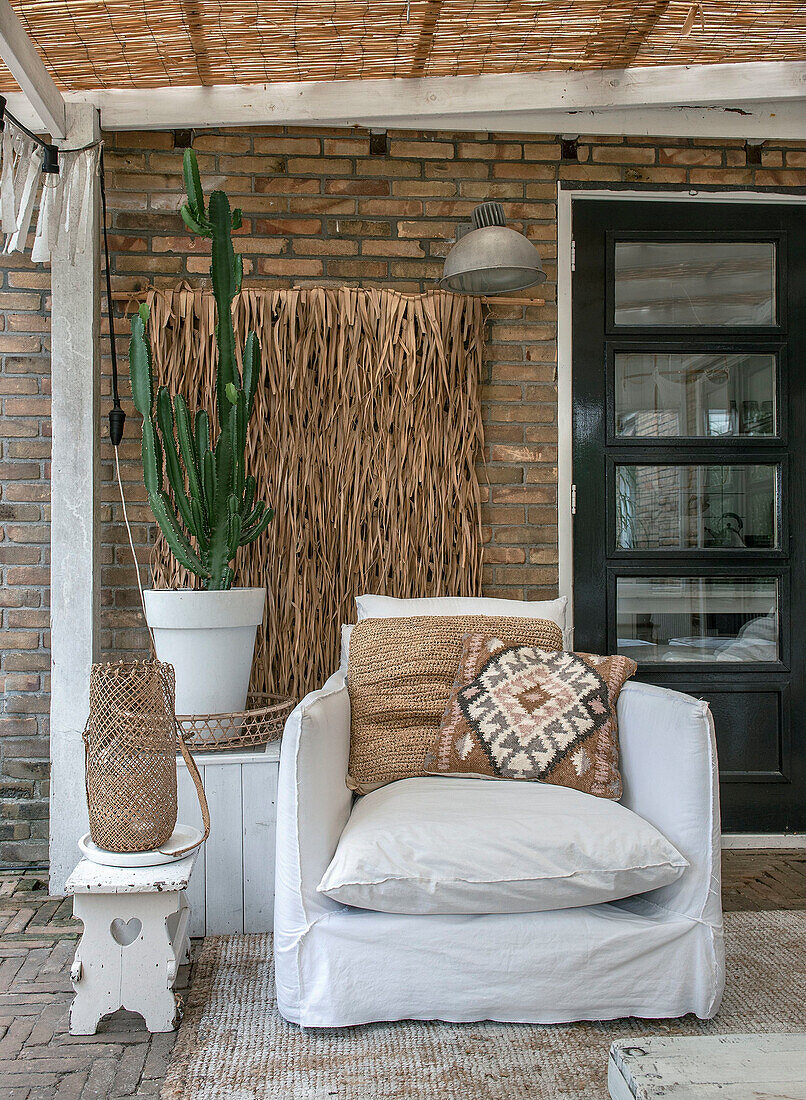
<point x="50" y="160"/>
<point x="117" y="416"/>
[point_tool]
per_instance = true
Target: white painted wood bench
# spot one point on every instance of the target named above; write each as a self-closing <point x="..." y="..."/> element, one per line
<point x="712" y="1067"/>
<point x="134" y="940"/>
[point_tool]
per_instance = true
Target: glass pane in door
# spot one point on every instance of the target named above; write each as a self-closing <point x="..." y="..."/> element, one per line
<point x="702" y="507"/>
<point x="666" y="620"/>
<point x="695" y="394"/>
<point x="703" y="283"/>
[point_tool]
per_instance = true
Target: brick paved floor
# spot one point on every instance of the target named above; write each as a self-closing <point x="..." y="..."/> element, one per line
<point x="764" y="880"/>
<point x="39" y="1060"/>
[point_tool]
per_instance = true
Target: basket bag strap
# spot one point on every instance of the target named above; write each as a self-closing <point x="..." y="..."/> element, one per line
<point x="187" y="756"/>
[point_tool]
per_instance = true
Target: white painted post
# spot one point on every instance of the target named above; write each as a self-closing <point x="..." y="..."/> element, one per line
<point x="75" y="326"/>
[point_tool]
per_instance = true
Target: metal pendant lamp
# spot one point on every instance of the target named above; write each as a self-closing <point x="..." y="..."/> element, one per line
<point x="491" y="258"/>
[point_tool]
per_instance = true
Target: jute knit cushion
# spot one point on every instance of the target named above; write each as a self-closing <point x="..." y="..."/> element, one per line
<point x="519" y="712"/>
<point x="400" y="675"/>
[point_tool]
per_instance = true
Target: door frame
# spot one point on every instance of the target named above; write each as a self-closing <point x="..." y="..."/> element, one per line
<point x="566" y="196"/>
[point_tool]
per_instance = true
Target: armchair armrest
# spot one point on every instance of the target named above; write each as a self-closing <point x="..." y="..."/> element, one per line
<point x="669" y="767"/>
<point x="313" y="804"/>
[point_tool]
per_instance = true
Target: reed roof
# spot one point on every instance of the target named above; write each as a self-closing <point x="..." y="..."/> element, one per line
<point x="90" y="44"/>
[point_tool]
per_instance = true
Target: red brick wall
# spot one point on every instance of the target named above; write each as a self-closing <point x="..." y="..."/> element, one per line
<point x="24" y="558"/>
<point x="316" y="207"/>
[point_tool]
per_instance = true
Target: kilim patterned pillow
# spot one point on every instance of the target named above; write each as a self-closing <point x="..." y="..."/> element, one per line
<point x="519" y="712"/>
<point x="400" y="674"/>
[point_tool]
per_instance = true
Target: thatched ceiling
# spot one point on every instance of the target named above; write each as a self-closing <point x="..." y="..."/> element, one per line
<point x="128" y="44"/>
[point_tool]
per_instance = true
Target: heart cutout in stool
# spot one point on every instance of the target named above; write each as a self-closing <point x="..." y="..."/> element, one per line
<point x="125" y="932"/>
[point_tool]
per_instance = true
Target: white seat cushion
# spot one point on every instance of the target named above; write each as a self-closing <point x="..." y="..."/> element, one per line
<point x="445" y="845"/>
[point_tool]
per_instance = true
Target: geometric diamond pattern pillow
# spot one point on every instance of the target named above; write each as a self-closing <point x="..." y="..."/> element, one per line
<point x="400" y="675"/>
<point x="519" y="712"/>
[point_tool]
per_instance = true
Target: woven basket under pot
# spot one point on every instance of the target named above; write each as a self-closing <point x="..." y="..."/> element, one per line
<point x="131" y="744"/>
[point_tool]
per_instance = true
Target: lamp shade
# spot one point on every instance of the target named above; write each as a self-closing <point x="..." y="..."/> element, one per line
<point x="491" y="258"/>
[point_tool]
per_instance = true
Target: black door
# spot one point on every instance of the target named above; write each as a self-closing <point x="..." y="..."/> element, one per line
<point x="689" y="420"/>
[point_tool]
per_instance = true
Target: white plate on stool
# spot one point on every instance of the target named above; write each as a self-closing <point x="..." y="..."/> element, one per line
<point x="183" y="836"/>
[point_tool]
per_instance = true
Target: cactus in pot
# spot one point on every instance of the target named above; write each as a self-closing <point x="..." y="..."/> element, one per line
<point x="213" y="511"/>
<point x="207" y="634"/>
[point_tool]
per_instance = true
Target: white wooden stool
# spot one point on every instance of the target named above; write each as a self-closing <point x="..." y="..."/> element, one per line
<point x="134" y="940"/>
<point x="709" y="1067"/>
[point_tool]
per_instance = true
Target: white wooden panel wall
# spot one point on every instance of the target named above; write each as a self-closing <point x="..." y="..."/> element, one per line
<point x="190" y="814"/>
<point x="232" y="886"/>
<point x="259" y="792"/>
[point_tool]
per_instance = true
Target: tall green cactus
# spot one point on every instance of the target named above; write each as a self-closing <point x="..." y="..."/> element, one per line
<point x="213" y="511"/>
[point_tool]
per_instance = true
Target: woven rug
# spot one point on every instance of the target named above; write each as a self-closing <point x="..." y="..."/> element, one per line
<point x="234" y="1045"/>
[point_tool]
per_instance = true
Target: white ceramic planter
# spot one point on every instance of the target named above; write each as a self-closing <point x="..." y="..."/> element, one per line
<point x="209" y="638"/>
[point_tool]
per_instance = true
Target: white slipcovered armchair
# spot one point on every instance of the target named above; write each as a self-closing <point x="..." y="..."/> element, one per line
<point x="656" y="955"/>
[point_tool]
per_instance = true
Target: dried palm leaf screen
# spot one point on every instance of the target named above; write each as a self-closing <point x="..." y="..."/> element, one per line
<point x="115" y="43"/>
<point x="365" y="439"/>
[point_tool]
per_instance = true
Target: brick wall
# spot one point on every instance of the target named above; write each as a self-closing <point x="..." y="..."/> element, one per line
<point x="317" y="207"/>
<point x="24" y="558"/>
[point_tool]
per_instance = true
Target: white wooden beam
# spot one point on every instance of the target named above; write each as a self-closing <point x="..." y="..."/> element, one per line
<point x="751" y="100"/>
<point x="221" y="106"/>
<point x="75" y="323"/>
<point x="753" y="121"/>
<point x="766" y="121"/>
<point x="441" y="99"/>
<point x="28" y="69"/>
